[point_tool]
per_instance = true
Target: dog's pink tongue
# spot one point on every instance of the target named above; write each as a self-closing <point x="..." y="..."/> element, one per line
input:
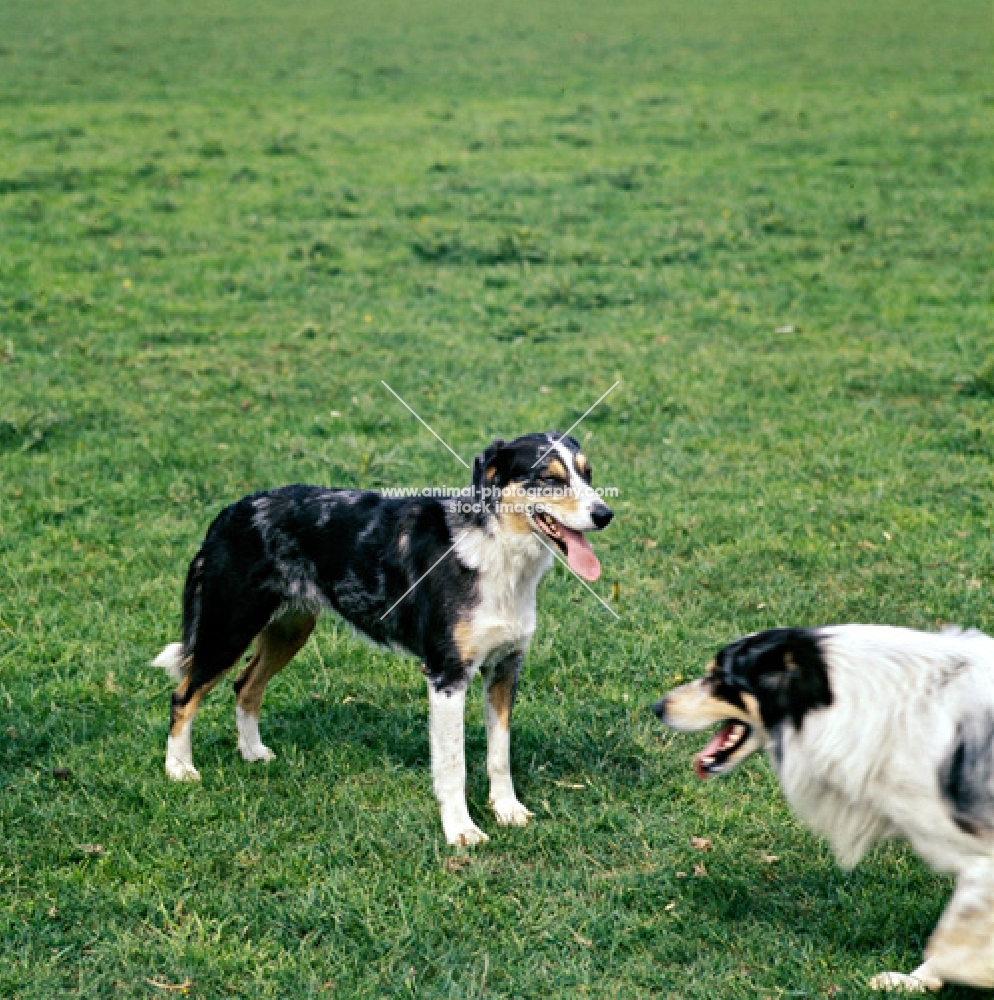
<point x="716" y="743"/>
<point x="579" y="554"/>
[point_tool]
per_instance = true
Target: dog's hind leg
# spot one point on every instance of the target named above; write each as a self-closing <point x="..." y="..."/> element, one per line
<point x="961" y="948"/>
<point x="224" y="627"/>
<point x="446" y="711"/>
<point x="500" y="685"/>
<point x="276" y="646"/>
<point x="179" y="746"/>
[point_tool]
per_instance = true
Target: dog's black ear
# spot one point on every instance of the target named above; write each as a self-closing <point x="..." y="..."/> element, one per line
<point x="783" y="668"/>
<point x="490" y="471"/>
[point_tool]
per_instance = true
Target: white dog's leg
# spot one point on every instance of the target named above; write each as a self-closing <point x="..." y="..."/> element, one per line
<point x="961" y="948"/>
<point x="448" y="765"/>
<point x="498" y="700"/>
<point x="920" y="981"/>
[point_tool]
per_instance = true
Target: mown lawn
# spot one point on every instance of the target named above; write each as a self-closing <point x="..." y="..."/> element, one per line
<point x="222" y="225"/>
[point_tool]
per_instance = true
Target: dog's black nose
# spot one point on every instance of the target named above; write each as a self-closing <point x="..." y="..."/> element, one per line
<point x="660" y="708"/>
<point x="601" y="516"/>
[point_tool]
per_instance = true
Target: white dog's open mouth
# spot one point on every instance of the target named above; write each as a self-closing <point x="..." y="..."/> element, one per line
<point x="572" y="544"/>
<point x="723" y="744"/>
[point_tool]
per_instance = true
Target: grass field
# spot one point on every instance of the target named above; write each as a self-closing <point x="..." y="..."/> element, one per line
<point x="221" y="225"/>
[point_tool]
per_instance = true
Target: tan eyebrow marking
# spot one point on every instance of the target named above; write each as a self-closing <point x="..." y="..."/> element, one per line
<point x="557" y="469"/>
<point x="582" y="465"/>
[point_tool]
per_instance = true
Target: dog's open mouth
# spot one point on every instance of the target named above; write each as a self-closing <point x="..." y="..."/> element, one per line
<point x="723" y="744"/>
<point x="572" y="544"/>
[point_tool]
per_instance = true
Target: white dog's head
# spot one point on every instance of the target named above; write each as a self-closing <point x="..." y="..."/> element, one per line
<point x="752" y="686"/>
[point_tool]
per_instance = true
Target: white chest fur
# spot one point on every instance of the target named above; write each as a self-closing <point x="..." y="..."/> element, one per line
<point x="510" y="566"/>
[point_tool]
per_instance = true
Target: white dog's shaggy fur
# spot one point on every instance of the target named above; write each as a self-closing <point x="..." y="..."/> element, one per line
<point x="874" y="732"/>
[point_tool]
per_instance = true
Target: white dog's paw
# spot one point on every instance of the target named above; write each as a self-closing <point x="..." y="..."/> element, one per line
<point x="181" y="770"/>
<point x="902" y="983"/>
<point x="253" y="753"/>
<point x="510" y="812"/>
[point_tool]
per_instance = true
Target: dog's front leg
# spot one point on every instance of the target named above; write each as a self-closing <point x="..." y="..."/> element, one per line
<point x="500" y="685"/>
<point x="448" y="765"/>
<point x="961" y="948"/>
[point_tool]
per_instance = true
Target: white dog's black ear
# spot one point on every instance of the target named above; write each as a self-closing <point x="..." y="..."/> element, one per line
<point x="784" y="668"/>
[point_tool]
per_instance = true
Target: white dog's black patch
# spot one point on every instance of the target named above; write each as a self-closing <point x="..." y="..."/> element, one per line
<point x="967" y="775"/>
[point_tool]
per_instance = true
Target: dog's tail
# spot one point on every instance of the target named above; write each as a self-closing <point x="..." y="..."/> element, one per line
<point x="173" y="660"/>
<point x="176" y="658"/>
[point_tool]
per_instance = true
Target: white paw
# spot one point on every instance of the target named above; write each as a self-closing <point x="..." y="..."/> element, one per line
<point x="460" y="830"/>
<point x="255" y="752"/>
<point x="898" y="981"/>
<point x="181" y="770"/>
<point x="510" y="812"/>
<point x="466" y="836"/>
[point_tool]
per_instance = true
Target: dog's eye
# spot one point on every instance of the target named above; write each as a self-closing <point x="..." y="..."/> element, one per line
<point x="728" y="694"/>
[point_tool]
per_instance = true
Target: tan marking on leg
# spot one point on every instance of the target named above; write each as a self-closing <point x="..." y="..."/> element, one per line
<point x="276" y="646"/>
<point x="247" y="671"/>
<point x="499" y="687"/>
<point x="179" y="746"/>
<point x="176" y="723"/>
<point x="500" y="694"/>
<point x="182" y="714"/>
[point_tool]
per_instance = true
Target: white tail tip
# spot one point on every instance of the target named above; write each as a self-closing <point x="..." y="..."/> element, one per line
<point x="172" y="659"/>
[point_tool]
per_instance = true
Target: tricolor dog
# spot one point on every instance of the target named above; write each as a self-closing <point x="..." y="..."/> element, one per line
<point x="451" y="581"/>
<point x="874" y="732"/>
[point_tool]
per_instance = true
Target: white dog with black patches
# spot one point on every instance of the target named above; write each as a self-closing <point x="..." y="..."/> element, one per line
<point x="874" y="732"/>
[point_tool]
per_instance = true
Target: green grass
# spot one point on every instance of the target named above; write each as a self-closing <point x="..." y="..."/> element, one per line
<point x="221" y="225"/>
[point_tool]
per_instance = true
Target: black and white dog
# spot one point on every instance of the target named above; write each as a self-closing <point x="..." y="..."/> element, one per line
<point x="451" y="581"/>
<point x="874" y="732"/>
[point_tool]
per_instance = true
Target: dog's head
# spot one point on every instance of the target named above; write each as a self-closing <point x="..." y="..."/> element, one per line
<point x="751" y="687"/>
<point x="541" y="483"/>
